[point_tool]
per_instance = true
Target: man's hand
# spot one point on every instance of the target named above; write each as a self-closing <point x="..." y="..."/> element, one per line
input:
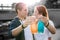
<point x="29" y="20"/>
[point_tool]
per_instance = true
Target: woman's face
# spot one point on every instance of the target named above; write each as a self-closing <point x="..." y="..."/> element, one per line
<point x="37" y="14"/>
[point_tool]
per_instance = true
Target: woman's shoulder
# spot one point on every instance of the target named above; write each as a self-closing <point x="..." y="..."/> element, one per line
<point x="51" y="22"/>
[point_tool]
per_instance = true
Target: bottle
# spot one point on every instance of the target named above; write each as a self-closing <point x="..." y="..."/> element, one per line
<point x="33" y="28"/>
<point x="40" y="26"/>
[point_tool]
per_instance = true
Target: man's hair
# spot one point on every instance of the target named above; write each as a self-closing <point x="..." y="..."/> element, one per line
<point x="19" y="6"/>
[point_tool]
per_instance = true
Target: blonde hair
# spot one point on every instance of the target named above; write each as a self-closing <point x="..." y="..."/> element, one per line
<point x="19" y="6"/>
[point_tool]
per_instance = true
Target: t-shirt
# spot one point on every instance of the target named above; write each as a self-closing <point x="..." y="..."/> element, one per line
<point x="37" y="36"/>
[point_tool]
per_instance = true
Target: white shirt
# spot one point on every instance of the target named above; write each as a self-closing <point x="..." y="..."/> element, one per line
<point x="38" y="36"/>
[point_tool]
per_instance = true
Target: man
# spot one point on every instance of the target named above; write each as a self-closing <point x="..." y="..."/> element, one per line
<point x="17" y="26"/>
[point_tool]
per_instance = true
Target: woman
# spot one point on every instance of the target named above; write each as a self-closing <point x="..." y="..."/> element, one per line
<point x="40" y="12"/>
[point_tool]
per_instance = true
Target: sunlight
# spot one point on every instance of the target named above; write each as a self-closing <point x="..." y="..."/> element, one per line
<point x="30" y="2"/>
<point x="9" y="2"/>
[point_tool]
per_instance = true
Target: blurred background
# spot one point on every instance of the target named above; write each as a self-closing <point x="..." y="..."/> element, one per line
<point x="7" y="13"/>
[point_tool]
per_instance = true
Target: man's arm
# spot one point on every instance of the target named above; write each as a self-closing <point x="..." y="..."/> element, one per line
<point x="17" y="30"/>
<point x="14" y="27"/>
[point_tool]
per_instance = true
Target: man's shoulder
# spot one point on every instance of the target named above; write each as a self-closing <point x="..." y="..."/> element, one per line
<point x="15" y="20"/>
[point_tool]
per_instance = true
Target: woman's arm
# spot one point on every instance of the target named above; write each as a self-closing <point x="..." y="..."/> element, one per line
<point x="49" y="24"/>
<point x="51" y="27"/>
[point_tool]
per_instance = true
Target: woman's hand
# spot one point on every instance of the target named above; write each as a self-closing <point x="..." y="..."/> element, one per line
<point x="44" y="19"/>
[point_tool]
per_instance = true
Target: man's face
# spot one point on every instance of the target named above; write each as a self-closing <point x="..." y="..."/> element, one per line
<point x="23" y="12"/>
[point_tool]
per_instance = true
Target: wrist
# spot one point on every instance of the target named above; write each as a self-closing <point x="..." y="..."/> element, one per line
<point x="47" y="24"/>
<point x="23" y="27"/>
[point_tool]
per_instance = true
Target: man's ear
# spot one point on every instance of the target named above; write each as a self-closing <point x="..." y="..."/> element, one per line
<point x="18" y="10"/>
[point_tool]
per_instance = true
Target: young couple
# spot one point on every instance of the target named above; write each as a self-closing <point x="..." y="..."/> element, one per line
<point x="20" y="26"/>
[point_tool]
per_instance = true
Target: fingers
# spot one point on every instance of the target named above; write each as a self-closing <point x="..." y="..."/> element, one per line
<point x="44" y="19"/>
